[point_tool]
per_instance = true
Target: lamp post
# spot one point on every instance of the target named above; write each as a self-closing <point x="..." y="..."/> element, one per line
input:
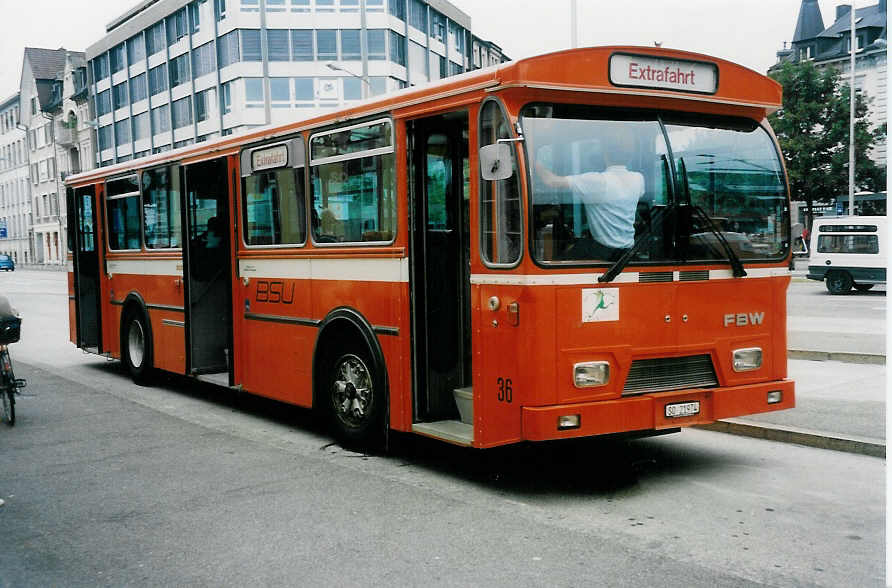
<point x="366" y="88"/>
<point x="853" y="42"/>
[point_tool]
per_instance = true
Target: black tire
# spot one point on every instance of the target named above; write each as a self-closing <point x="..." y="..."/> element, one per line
<point x="8" y="408"/>
<point x="136" y="346"/>
<point x="354" y="398"/>
<point x="839" y="282"/>
<point x="863" y="287"/>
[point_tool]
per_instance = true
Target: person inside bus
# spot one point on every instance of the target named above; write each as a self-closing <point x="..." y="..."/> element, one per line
<point x="610" y="198"/>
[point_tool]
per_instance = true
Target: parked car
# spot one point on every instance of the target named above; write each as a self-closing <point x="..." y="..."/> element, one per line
<point x="848" y="252"/>
<point x="6" y="263"/>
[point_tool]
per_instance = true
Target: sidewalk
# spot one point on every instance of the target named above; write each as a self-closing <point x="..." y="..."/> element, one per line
<point x="840" y="391"/>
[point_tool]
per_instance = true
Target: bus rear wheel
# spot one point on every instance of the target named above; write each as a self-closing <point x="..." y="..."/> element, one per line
<point x="136" y="346"/>
<point x="839" y="282"/>
<point x="355" y="398"/>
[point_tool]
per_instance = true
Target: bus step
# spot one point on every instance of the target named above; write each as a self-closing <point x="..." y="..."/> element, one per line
<point x="452" y="431"/>
<point x="220" y="379"/>
<point x="464" y="400"/>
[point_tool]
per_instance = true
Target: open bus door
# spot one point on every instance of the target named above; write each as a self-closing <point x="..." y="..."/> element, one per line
<point x="441" y="272"/>
<point x="87" y="271"/>
<point x="206" y="271"/>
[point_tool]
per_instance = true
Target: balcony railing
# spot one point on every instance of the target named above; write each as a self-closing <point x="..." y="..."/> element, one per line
<point x="66" y="133"/>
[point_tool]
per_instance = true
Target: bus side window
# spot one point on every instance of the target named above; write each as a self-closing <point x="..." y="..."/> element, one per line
<point x="501" y="213"/>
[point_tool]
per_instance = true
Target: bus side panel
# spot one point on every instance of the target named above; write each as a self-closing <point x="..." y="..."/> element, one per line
<point x="168" y="338"/>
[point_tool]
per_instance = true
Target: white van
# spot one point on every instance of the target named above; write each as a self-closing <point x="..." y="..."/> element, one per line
<point x="848" y="251"/>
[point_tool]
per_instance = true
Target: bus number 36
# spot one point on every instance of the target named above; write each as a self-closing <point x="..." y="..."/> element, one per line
<point x="505" y="392"/>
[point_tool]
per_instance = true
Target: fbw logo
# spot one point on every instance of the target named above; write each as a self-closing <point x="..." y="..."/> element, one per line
<point x="742" y="319"/>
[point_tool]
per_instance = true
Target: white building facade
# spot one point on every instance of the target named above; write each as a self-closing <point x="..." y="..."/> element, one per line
<point x="15" y="189"/>
<point x="173" y="72"/>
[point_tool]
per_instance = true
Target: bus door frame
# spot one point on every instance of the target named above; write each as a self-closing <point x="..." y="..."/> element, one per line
<point x="74" y="196"/>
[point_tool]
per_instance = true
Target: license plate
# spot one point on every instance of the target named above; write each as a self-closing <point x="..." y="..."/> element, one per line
<point x="682" y="409"/>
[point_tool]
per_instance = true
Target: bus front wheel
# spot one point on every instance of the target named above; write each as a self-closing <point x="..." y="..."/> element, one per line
<point x="136" y="346"/>
<point x="839" y="282"/>
<point x="355" y="398"/>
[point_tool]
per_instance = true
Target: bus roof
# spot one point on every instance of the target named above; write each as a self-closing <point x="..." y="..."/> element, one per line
<point x="629" y="70"/>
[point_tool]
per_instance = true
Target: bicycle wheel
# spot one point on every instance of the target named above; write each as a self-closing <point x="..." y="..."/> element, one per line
<point x="7" y="389"/>
<point x="7" y="406"/>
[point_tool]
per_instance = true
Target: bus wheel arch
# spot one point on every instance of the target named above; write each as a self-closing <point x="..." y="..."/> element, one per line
<point x="350" y="385"/>
<point x="838" y="282"/>
<point x="137" y="350"/>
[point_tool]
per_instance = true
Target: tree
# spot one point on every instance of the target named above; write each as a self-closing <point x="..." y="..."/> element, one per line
<point x="812" y="127"/>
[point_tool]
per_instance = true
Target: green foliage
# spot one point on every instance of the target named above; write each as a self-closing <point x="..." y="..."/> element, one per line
<point x="812" y="127"/>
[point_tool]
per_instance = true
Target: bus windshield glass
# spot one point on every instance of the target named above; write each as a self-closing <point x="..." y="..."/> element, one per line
<point x="605" y="181"/>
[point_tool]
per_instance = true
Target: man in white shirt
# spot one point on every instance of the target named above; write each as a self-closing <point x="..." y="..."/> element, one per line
<point x="611" y="200"/>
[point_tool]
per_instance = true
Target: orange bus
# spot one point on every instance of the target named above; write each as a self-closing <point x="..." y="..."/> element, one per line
<point x="589" y="242"/>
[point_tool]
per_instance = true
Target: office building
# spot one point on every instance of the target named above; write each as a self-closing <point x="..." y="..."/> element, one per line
<point x="15" y="190"/>
<point x="173" y="72"/>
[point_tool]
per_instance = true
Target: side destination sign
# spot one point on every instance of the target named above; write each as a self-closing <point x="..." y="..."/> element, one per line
<point x="664" y="74"/>
<point x="269" y="158"/>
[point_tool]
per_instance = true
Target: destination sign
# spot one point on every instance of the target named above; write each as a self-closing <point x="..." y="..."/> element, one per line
<point x="665" y="74"/>
<point x="269" y="158"/>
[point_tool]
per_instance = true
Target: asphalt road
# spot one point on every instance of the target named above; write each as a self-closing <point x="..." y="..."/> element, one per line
<point x="107" y="483"/>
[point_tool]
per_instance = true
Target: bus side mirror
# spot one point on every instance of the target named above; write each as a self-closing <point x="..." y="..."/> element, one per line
<point x="496" y="162"/>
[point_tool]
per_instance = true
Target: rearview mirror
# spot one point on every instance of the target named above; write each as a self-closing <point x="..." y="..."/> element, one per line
<point x="496" y="162"/>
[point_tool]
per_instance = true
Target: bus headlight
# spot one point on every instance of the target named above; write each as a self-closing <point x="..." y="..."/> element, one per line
<point x="746" y="360"/>
<point x="591" y="373"/>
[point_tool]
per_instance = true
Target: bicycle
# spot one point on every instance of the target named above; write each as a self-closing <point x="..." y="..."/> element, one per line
<point x="10" y="331"/>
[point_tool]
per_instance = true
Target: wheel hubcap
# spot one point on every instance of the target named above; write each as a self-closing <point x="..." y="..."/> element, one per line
<point x="352" y="391"/>
<point x="136" y="342"/>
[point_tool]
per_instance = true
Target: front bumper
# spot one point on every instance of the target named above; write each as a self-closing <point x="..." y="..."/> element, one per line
<point x="647" y="411"/>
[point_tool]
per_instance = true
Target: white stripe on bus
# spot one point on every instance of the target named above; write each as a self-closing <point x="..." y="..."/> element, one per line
<point x="146" y="267"/>
<point x="592" y="279"/>
<point x="353" y="269"/>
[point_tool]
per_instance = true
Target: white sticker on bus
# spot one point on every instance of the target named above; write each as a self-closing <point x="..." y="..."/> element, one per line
<point x="600" y="305"/>
<point x="668" y="74"/>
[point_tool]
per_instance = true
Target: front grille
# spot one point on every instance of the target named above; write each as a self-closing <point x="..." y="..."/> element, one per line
<point x="670" y="373"/>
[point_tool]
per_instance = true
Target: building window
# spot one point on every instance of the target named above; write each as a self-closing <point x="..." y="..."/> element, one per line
<point x="105" y="137"/>
<point x="349" y="5"/>
<point x="457" y="38"/>
<point x="250" y="5"/>
<point x="138" y="89"/>
<point x="103" y="103"/>
<point x="277" y="44"/>
<point x="119" y="95"/>
<point x="227" y="49"/>
<point x="351" y="48"/>
<point x="438" y="26"/>
<point x="418" y="15"/>
<point x="220" y="9"/>
<point x="253" y="92"/>
<point x="324" y="5"/>
<point x="158" y="79"/>
<point x="226" y="98"/>
<point x="136" y="49"/>
<point x="374" y="5"/>
<point x="203" y="60"/>
<point x="161" y="119"/>
<point x="155" y="38"/>
<point x="195" y="16"/>
<point x="300" y="5"/>
<point x="182" y="112"/>
<point x="279" y="92"/>
<point x="397" y="48"/>
<point x="275" y="6"/>
<point x="303" y="90"/>
<point x="251" y="45"/>
<point x="122" y="131"/>
<point x="117" y="58"/>
<point x="352" y="89"/>
<point x="176" y="26"/>
<point x="100" y="68"/>
<point x="398" y="8"/>
<point x="203" y="102"/>
<point x="326" y="44"/>
<point x="302" y="45"/>
<point x="179" y="70"/>
<point x="140" y="126"/>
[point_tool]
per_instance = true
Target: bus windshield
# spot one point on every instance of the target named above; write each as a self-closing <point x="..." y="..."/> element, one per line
<point x="606" y="181"/>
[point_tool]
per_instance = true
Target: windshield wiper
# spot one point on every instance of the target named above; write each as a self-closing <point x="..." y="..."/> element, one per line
<point x="736" y="265"/>
<point x="624" y="259"/>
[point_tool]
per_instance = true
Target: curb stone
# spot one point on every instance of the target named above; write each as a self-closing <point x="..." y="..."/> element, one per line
<point x="786" y="434"/>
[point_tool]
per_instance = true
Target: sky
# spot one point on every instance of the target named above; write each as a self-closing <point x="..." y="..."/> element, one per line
<point x="748" y="32"/>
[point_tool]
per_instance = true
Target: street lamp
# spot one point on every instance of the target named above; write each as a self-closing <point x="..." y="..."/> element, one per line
<point x="366" y="90"/>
